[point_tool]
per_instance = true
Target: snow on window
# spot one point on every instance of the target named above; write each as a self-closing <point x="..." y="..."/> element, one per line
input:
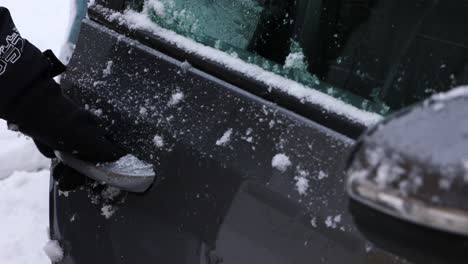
<point x="91" y="3"/>
<point x="224" y="140"/>
<point x="157" y="6"/>
<point x="135" y="20"/>
<point x="53" y="250"/>
<point x="281" y="162"/>
<point x="176" y="98"/>
<point x="158" y="141"/>
<point x="296" y="60"/>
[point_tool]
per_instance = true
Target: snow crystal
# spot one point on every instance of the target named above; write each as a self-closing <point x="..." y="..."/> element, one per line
<point x="445" y="183"/>
<point x="64" y="193"/>
<point x="129" y="165"/>
<point x="158" y="141"/>
<point x="53" y="250"/>
<point x="107" y="211"/>
<point x="271" y="124"/>
<point x="224" y="140"/>
<point x="313" y="222"/>
<point x="302" y="184"/>
<point x="135" y="20"/>
<point x="368" y="247"/>
<point x="108" y="70"/>
<point x="157" y="6"/>
<point x="337" y="218"/>
<point x="110" y="193"/>
<point x="332" y="221"/>
<point x="281" y="162"/>
<point x="176" y="98"/>
<point x="143" y="111"/>
<point x="91" y="3"/>
<point x="185" y="65"/>
<point x="322" y="175"/>
<point x="294" y="60"/>
<point x="97" y="112"/>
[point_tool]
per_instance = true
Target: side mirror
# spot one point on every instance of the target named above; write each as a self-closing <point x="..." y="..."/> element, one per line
<point x="414" y="165"/>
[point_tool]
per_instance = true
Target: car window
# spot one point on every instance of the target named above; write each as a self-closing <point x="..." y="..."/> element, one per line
<point x="379" y="55"/>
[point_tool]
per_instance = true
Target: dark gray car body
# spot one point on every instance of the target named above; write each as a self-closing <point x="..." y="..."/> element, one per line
<point x="212" y="203"/>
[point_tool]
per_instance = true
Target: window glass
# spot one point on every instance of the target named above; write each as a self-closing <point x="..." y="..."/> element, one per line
<point x="379" y="55"/>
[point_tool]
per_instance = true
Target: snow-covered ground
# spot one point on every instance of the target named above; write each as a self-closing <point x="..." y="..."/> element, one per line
<point x="24" y="178"/>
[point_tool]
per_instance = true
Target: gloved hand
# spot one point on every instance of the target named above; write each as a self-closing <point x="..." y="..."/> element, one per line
<point x="56" y="123"/>
<point x="33" y="101"/>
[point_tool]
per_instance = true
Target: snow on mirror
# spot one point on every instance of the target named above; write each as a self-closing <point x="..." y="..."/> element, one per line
<point x="414" y="165"/>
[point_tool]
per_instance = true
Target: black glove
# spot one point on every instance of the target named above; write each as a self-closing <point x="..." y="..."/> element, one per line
<point x="56" y="123"/>
<point x="33" y="101"/>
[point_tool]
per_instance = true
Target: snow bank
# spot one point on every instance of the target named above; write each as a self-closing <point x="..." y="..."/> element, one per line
<point x="24" y="212"/>
<point x="24" y="196"/>
<point x="18" y="153"/>
<point x="44" y="23"/>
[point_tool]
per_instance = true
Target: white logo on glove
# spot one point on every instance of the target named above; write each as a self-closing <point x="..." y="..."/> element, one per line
<point x="11" y="52"/>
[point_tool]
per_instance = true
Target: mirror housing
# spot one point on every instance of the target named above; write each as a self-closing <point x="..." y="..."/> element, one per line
<point x="414" y="165"/>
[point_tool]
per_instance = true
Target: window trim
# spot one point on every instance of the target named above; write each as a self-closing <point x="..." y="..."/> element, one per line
<point x="337" y="122"/>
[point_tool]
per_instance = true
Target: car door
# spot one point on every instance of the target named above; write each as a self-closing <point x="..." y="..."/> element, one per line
<point x="248" y="111"/>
